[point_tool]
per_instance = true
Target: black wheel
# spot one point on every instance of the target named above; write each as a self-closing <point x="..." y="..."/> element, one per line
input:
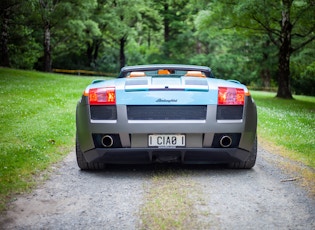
<point x="249" y="163"/>
<point x="82" y="163"/>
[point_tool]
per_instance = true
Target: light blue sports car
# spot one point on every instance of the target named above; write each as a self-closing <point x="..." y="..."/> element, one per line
<point x="166" y="113"/>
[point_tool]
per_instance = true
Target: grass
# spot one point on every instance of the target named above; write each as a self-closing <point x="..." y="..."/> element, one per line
<point x="37" y="113"/>
<point x="287" y="125"/>
<point x="171" y="203"/>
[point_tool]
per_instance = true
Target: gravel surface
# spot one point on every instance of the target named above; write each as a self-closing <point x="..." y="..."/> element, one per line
<point x="261" y="198"/>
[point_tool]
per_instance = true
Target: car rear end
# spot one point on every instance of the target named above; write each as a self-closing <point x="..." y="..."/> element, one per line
<point x="184" y="119"/>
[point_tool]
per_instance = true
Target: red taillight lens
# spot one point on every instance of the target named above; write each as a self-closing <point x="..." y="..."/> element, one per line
<point x="230" y="96"/>
<point x="102" y="96"/>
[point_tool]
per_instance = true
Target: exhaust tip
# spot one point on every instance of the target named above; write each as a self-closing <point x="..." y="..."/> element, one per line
<point x="107" y="141"/>
<point x="225" y="141"/>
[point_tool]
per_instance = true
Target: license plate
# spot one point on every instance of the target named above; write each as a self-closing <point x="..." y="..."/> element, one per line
<point x="166" y="140"/>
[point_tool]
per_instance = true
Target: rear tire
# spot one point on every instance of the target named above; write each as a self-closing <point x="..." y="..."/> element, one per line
<point x="249" y="163"/>
<point x="82" y="163"/>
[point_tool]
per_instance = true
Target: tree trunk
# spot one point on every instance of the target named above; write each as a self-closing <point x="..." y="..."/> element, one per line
<point x="199" y="48"/>
<point x="97" y="44"/>
<point x="265" y="74"/>
<point x="284" y="90"/>
<point x="122" y="57"/>
<point x="284" y="75"/>
<point x="5" y="60"/>
<point x="89" y="53"/>
<point x="166" y="23"/>
<point x="265" y="77"/>
<point x="47" y="48"/>
<point x="149" y="38"/>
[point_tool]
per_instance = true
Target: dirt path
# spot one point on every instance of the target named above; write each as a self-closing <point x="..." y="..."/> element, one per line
<point x="261" y="198"/>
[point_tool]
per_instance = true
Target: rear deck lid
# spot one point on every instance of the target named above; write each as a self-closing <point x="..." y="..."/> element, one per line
<point x="163" y="83"/>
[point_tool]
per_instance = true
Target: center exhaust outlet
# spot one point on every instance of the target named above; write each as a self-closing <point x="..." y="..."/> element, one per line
<point x="107" y="141"/>
<point x="226" y="141"/>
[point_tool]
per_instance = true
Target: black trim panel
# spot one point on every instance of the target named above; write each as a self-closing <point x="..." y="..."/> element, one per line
<point x="167" y="112"/>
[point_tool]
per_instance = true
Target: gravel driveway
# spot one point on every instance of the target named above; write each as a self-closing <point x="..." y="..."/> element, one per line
<point x="261" y="198"/>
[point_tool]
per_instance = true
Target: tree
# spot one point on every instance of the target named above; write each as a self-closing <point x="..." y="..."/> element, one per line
<point x="104" y="41"/>
<point x="292" y="14"/>
<point x="6" y="7"/>
<point x="123" y="18"/>
<point x="94" y="35"/>
<point x="178" y="28"/>
<point x="19" y="48"/>
<point x="58" y="15"/>
<point x="289" y="24"/>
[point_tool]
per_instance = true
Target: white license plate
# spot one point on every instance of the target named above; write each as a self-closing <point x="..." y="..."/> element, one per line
<point x="166" y="140"/>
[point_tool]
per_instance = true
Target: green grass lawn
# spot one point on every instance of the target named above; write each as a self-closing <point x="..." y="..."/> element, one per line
<point x="288" y="124"/>
<point x="37" y="112"/>
<point x="37" y="126"/>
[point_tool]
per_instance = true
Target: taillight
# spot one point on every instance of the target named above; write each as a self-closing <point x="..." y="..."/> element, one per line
<point x="230" y="96"/>
<point x="102" y="96"/>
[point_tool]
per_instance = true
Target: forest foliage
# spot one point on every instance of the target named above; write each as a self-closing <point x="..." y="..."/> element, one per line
<point x="265" y="44"/>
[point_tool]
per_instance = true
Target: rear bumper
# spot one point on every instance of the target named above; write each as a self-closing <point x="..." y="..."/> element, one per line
<point x="181" y="155"/>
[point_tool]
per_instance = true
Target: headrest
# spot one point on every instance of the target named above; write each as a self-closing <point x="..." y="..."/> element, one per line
<point x="163" y="71"/>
